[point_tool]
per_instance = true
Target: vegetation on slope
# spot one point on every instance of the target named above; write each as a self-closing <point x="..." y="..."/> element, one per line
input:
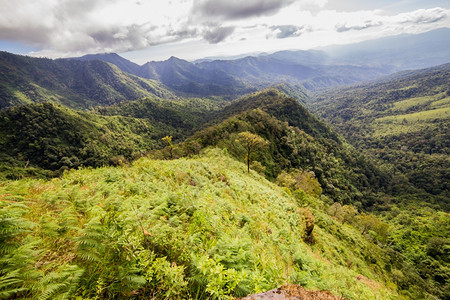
<point x="54" y="138"/>
<point x="304" y="156"/>
<point x="184" y="115"/>
<point x="37" y="139"/>
<point x="342" y="175"/>
<point x="282" y="107"/>
<point x="77" y="84"/>
<point x="402" y="121"/>
<point x="189" y="228"/>
<point x="298" y="140"/>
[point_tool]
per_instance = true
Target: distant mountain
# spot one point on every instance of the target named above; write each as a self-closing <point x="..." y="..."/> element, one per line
<point x="264" y="71"/>
<point x="227" y="57"/>
<point x="309" y="57"/>
<point x="313" y="69"/>
<point x="406" y="51"/>
<point x="403" y="120"/>
<point x="261" y="69"/>
<point x="72" y="82"/>
<point x="189" y="78"/>
<point x="232" y="78"/>
<point x="122" y="63"/>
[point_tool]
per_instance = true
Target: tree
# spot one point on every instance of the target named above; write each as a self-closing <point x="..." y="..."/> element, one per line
<point x="370" y="223"/>
<point x="300" y="179"/>
<point x="170" y="146"/>
<point x="251" y="142"/>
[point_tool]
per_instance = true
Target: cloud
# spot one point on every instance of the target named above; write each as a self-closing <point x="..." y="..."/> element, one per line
<point x="217" y="35"/>
<point x="365" y="25"/>
<point x="286" y="31"/>
<point x="401" y="22"/>
<point x="94" y="25"/>
<point x="424" y="16"/>
<point x="237" y="9"/>
<point x="71" y="27"/>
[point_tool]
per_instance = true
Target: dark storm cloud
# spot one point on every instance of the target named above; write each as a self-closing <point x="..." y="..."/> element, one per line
<point x="218" y="34"/>
<point x="237" y="9"/>
<point x="366" y="25"/>
<point x="285" y="31"/>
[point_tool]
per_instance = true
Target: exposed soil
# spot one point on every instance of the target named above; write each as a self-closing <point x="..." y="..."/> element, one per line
<point x="291" y="291"/>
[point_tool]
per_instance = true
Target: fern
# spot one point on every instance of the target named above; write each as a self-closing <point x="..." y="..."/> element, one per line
<point x="11" y="284"/>
<point x="18" y="253"/>
<point x="91" y="246"/>
<point x="60" y="284"/>
<point x="11" y="225"/>
<point x="108" y="248"/>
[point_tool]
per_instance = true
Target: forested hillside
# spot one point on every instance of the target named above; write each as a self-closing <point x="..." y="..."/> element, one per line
<point x="403" y="121"/>
<point x="53" y="137"/>
<point x="73" y="83"/>
<point x="297" y="141"/>
<point x="116" y="186"/>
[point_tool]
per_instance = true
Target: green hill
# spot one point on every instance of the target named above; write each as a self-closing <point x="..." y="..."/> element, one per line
<point x="54" y="137"/>
<point x="344" y="175"/>
<point x="43" y="136"/>
<point x="403" y="121"/>
<point x="196" y="228"/>
<point x="201" y="226"/>
<point x="285" y="108"/>
<point x="74" y="83"/>
<point x="185" y="115"/>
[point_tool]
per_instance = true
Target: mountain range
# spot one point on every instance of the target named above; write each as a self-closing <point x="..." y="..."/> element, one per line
<point x="314" y="69"/>
<point x="73" y="83"/>
<point x="25" y="79"/>
<point x="223" y="178"/>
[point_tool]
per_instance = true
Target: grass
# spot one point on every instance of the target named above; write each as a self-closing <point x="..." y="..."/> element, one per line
<point x="404" y="105"/>
<point x="427" y="115"/>
<point x="421" y="121"/>
<point x="445" y="102"/>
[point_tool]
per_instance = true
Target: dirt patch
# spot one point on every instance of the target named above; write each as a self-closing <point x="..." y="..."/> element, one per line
<point x="293" y="292"/>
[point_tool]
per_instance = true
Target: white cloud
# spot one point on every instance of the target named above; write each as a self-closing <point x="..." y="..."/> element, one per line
<point x="75" y="27"/>
<point x="424" y="16"/>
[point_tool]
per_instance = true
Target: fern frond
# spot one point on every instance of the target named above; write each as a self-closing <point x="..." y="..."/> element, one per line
<point x="61" y="284"/>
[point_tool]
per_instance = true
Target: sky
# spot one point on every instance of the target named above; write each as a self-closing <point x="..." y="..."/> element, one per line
<point x="146" y="30"/>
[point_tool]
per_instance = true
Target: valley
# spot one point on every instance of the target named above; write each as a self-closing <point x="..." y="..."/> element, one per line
<point x="218" y="179"/>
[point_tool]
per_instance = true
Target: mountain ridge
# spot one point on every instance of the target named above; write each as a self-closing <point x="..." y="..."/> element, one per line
<point x="75" y="83"/>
